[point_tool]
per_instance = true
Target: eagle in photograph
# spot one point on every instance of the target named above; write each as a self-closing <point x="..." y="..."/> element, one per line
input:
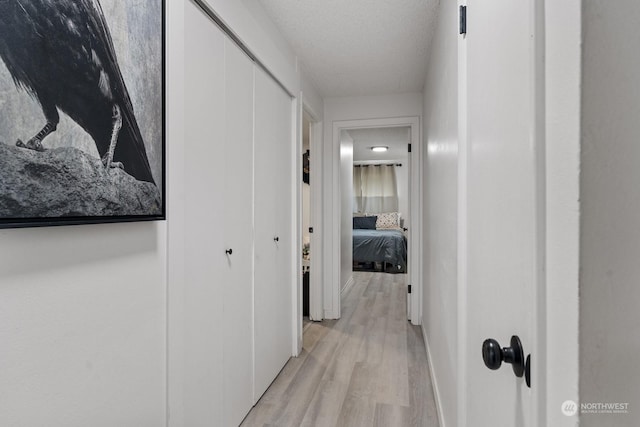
<point x="62" y="54"/>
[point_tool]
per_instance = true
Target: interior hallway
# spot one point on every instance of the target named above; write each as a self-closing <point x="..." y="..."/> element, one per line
<point x="369" y="368"/>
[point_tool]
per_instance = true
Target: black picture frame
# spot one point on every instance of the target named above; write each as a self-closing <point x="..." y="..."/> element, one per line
<point x="119" y="64"/>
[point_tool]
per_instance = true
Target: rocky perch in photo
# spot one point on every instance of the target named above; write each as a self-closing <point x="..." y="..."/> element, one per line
<point x="65" y="182"/>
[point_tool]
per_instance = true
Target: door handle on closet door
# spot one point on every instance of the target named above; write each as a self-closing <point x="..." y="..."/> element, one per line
<point x="229" y="251"/>
<point x="276" y="239"/>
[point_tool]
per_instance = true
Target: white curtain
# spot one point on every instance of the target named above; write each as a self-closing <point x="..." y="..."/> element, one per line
<point x="375" y="189"/>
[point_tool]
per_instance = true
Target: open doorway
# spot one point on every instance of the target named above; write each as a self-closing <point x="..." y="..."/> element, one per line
<point x="375" y="203"/>
<point x="339" y="230"/>
<point x="310" y="220"/>
<point x="306" y="217"/>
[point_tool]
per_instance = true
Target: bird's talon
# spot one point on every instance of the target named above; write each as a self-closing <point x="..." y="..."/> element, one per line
<point x="31" y="145"/>
<point x="111" y="164"/>
<point x="38" y="146"/>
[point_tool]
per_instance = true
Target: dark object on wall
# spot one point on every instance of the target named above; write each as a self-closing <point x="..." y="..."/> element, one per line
<point x="63" y="55"/>
<point x="364" y="222"/>
<point x="305" y="167"/>
<point x="305" y="293"/>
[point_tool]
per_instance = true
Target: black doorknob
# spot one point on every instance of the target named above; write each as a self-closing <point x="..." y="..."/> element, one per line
<point x="493" y="355"/>
<point x="276" y="239"/>
<point x="229" y="251"/>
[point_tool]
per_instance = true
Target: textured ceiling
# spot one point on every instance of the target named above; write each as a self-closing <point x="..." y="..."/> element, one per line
<point x="395" y="138"/>
<point x="358" y="47"/>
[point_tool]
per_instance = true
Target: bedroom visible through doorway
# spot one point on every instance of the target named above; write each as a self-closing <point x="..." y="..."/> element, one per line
<point x="375" y="211"/>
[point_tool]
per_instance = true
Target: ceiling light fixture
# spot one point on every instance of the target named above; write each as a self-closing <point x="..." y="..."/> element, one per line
<point x="379" y="149"/>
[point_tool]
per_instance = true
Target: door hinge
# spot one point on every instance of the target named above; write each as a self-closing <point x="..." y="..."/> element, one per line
<point x="409" y="290"/>
<point x="409" y="147"/>
<point x="463" y="19"/>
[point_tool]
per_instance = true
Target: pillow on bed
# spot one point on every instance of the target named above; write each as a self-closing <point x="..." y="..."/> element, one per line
<point x="364" y="222"/>
<point x="388" y="220"/>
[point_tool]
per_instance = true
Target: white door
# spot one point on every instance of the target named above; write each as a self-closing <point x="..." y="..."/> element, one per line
<point x="237" y="290"/>
<point x="204" y="240"/>
<point x="273" y="192"/>
<point x="500" y="216"/>
<point x="218" y="329"/>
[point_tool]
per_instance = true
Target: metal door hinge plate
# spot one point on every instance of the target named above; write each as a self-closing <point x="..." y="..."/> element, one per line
<point x="463" y="19"/>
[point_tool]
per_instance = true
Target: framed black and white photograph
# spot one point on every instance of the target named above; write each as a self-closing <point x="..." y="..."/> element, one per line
<point x="82" y="111"/>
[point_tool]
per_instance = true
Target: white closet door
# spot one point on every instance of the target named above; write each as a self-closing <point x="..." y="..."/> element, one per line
<point x="272" y="286"/>
<point x="282" y="112"/>
<point x="204" y="239"/>
<point x="237" y="291"/>
<point x="218" y="387"/>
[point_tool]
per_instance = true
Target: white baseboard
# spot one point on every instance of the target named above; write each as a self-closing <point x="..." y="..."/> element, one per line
<point x="434" y="381"/>
<point x="347" y="286"/>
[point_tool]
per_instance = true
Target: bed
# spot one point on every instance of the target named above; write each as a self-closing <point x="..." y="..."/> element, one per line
<point x="383" y="246"/>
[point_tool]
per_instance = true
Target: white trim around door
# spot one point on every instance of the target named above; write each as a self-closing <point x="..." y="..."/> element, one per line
<point x="315" y="288"/>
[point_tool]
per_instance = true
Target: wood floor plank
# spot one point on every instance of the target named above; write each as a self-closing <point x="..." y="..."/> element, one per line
<point x="326" y="405"/>
<point x="314" y="334"/>
<point x="367" y="368"/>
<point x="393" y="377"/>
<point x="391" y="415"/>
<point x="303" y="387"/>
<point x="358" y="408"/>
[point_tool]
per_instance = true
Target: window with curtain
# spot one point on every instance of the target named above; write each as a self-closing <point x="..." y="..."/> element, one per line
<point x="375" y="189"/>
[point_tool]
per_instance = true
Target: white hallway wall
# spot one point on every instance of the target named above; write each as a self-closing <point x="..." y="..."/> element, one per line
<point x="610" y="202"/>
<point x="82" y="321"/>
<point x="440" y="296"/>
<point x="352" y="108"/>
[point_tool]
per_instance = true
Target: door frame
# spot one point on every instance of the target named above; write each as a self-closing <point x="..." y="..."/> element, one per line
<point x="301" y="107"/>
<point x="333" y="230"/>
<point x="315" y="220"/>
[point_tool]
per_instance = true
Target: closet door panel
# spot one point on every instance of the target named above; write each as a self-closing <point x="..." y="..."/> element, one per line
<point x="237" y="291"/>
<point x="204" y="186"/>
<point x="272" y="306"/>
<point x="282" y="110"/>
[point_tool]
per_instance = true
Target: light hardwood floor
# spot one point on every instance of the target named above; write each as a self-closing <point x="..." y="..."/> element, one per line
<point x="368" y="368"/>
